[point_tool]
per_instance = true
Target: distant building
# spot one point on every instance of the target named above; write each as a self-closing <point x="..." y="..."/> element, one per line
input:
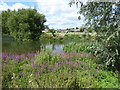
<point x="45" y="31"/>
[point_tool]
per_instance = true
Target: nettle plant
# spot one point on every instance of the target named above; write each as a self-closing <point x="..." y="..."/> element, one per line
<point x="104" y="17"/>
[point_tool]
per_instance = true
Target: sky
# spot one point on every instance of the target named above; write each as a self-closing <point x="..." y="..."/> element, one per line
<point x="58" y="13"/>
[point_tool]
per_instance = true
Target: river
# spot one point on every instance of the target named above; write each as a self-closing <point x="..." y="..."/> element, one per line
<point x="17" y="47"/>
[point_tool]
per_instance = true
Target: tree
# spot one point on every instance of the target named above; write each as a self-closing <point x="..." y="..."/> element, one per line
<point x="5" y="16"/>
<point x="23" y="24"/>
<point x="104" y="18"/>
<point x="52" y="31"/>
<point x="77" y="28"/>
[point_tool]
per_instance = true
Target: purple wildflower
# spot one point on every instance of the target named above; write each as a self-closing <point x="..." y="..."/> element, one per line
<point x="57" y="64"/>
<point x="51" y="69"/>
<point x="42" y="67"/>
<point x="15" y="62"/>
<point x="44" y="63"/>
<point x="33" y="65"/>
<point x="98" y="68"/>
<point x="32" y="59"/>
<point x="37" y="73"/>
<point x="78" y="61"/>
<point x="69" y="62"/>
<point x="17" y="57"/>
<point x="86" y="67"/>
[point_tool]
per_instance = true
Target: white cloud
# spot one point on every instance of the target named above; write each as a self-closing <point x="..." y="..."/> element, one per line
<point x="16" y="6"/>
<point x="59" y="14"/>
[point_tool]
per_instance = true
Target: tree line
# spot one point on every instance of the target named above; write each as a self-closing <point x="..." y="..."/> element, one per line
<point x="23" y="24"/>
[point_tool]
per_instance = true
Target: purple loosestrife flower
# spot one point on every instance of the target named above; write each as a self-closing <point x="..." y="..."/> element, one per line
<point x="4" y="55"/>
<point x="60" y="62"/>
<point x="32" y="59"/>
<point x="44" y="63"/>
<point x="11" y="57"/>
<point x="42" y="67"/>
<point x="7" y="58"/>
<point x="13" y="69"/>
<point x="69" y="62"/>
<point x="39" y="66"/>
<point x="33" y="65"/>
<point x="55" y="52"/>
<point x="22" y="55"/>
<point x="86" y="67"/>
<point x="78" y="61"/>
<point x="37" y="73"/>
<point x="17" y="57"/>
<point x="26" y="58"/>
<point x="3" y="64"/>
<point x="57" y="64"/>
<point x="0" y="55"/>
<point x="51" y="69"/>
<point x="24" y="68"/>
<point x="15" y="62"/>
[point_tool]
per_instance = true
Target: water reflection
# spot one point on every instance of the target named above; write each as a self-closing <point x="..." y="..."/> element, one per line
<point x="55" y="48"/>
<point x="15" y="47"/>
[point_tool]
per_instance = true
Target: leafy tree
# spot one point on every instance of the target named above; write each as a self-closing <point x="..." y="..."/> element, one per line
<point x="52" y="31"/>
<point x="77" y="28"/>
<point x="5" y="16"/>
<point x="23" y="24"/>
<point x="104" y="18"/>
<point x="81" y="29"/>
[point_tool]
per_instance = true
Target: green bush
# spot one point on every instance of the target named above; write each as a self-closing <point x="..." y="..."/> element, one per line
<point x="48" y="38"/>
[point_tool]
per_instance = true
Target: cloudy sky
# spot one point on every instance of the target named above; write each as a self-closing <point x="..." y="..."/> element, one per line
<point x="58" y="13"/>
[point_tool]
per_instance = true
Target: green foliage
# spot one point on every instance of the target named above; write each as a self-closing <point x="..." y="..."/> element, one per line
<point x="104" y="18"/>
<point x="48" y="38"/>
<point x="83" y="47"/>
<point x="24" y="24"/>
<point x="81" y="29"/>
<point x="44" y="56"/>
<point x="71" y="37"/>
<point x="52" y="71"/>
<point x="52" y="31"/>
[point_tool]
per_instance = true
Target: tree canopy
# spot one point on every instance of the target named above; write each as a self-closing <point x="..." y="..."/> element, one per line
<point x="23" y="24"/>
<point x="104" y="18"/>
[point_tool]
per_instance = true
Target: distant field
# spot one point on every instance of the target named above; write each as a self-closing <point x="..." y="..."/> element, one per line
<point x="72" y="33"/>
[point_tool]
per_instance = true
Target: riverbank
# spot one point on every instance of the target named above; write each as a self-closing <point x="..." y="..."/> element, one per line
<point x="58" y="36"/>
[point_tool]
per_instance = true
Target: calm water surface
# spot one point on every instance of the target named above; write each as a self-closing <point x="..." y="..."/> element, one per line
<point x="15" y="47"/>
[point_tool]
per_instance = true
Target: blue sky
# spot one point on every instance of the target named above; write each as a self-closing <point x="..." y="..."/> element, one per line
<point x="58" y="13"/>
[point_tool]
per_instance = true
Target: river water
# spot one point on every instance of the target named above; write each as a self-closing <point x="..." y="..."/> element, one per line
<point x="15" y="47"/>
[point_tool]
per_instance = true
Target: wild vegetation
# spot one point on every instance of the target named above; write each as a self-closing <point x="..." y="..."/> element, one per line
<point x="104" y="18"/>
<point x="54" y="70"/>
<point x="89" y="61"/>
